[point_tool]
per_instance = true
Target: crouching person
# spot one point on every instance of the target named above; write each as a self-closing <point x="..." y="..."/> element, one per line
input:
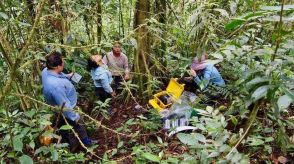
<point x="205" y="73"/>
<point x="58" y="90"/>
<point x="102" y="78"/>
<point x="205" y="77"/>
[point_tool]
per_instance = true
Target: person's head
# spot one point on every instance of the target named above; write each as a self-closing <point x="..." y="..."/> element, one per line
<point x="199" y="63"/>
<point x="94" y="61"/>
<point x="116" y="48"/>
<point x="55" y="62"/>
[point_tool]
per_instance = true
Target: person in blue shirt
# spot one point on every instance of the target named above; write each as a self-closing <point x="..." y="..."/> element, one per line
<point x="203" y="76"/>
<point x="102" y="78"/>
<point x="58" y="91"/>
<point x="204" y="73"/>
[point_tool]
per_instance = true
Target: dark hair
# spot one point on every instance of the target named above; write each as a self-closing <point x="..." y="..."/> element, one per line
<point x="91" y="64"/>
<point x="53" y="60"/>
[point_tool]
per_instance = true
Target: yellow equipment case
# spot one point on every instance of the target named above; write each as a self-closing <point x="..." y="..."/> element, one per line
<point x="174" y="90"/>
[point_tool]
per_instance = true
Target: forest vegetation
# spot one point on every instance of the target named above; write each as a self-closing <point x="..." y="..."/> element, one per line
<point x="253" y="42"/>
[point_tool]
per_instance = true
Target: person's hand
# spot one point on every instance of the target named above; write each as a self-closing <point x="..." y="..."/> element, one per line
<point x="193" y="73"/>
<point x="188" y="78"/>
<point x="113" y="94"/>
<point x="127" y="77"/>
<point x="70" y="75"/>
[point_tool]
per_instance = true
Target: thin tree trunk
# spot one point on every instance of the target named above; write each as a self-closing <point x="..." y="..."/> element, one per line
<point x="99" y="22"/>
<point x="161" y="10"/>
<point x="30" y="5"/>
<point x="278" y="41"/>
<point x="86" y="20"/>
<point x="141" y="62"/>
<point x="121" y="22"/>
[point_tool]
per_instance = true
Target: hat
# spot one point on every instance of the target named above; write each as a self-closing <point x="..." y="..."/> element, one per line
<point x="198" y="63"/>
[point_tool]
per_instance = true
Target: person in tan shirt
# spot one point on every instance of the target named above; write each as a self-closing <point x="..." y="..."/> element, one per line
<point x="117" y="63"/>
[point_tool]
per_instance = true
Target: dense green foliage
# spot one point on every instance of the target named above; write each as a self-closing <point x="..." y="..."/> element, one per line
<point x="253" y="40"/>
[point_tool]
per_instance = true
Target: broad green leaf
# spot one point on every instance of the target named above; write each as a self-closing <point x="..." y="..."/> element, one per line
<point x="289" y="44"/>
<point x="234" y="24"/>
<point x="260" y="92"/>
<point x="25" y="24"/>
<point x="289" y="93"/>
<point x="32" y="144"/>
<point x="276" y="18"/>
<point x="30" y="113"/>
<point x="120" y="144"/>
<point x="240" y="20"/>
<point x="45" y="122"/>
<point x="213" y="154"/>
<point x="54" y="155"/>
<point x="256" y="142"/>
<point x="17" y="143"/>
<point x="24" y="159"/>
<point x="172" y="160"/>
<point x="11" y="154"/>
<point x="209" y="109"/>
<point x="223" y="12"/>
<point x="224" y="148"/>
<point x="42" y="149"/>
<point x="252" y="15"/>
<point x="269" y="139"/>
<point x="159" y="140"/>
<point x="114" y="151"/>
<point x="255" y="81"/>
<point x="151" y="157"/>
<point x="284" y="102"/>
<point x="234" y="120"/>
<point x="187" y="139"/>
<point x="233" y="7"/>
<point x="277" y="8"/>
<point x="3" y="15"/>
<point x="217" y="55"/>
<point x="160" y="154"/>
<point x="200" y="137"/>
<point x="65" y="127"/>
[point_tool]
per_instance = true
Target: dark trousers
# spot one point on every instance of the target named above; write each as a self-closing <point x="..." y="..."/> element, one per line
<point x="190" y="84"/>
<point x="207" y="96"/>
<point x="117" y="83"/>
<point x="101" y="94"/>
<point x="67" y="135"/>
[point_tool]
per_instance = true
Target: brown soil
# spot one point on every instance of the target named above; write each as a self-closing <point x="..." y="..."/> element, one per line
<point x="108" y="141"/>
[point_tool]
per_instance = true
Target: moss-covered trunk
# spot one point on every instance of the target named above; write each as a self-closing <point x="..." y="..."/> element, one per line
<point x="141" y="63"/>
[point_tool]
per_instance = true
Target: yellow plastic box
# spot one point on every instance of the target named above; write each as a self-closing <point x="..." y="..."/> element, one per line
<point x="174" y="89"/>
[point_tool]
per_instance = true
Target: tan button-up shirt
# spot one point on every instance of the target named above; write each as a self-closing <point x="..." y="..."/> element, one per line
<point x="117" y="65"/>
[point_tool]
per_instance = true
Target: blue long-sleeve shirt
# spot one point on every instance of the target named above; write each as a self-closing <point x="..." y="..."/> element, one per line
<point x="210" y="75"/>
<point x="102" y="78"/>
<point x="57" y="89"/>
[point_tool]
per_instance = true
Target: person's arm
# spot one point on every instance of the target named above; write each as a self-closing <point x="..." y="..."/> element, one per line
<point x="205" y="80"/>
<point x="105" y="59"/>
<point x="60" y="97"/>
<point x="126" y="67"/>
<point x="69" y="76"/>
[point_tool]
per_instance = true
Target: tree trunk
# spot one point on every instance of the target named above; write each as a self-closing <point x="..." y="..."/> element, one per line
<point x="161" y="10"/>
<point x="141" y="62"/>
<point x="99" y="22"/>
<point x="30" y="5"/>
<point x="121" y="21"/>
